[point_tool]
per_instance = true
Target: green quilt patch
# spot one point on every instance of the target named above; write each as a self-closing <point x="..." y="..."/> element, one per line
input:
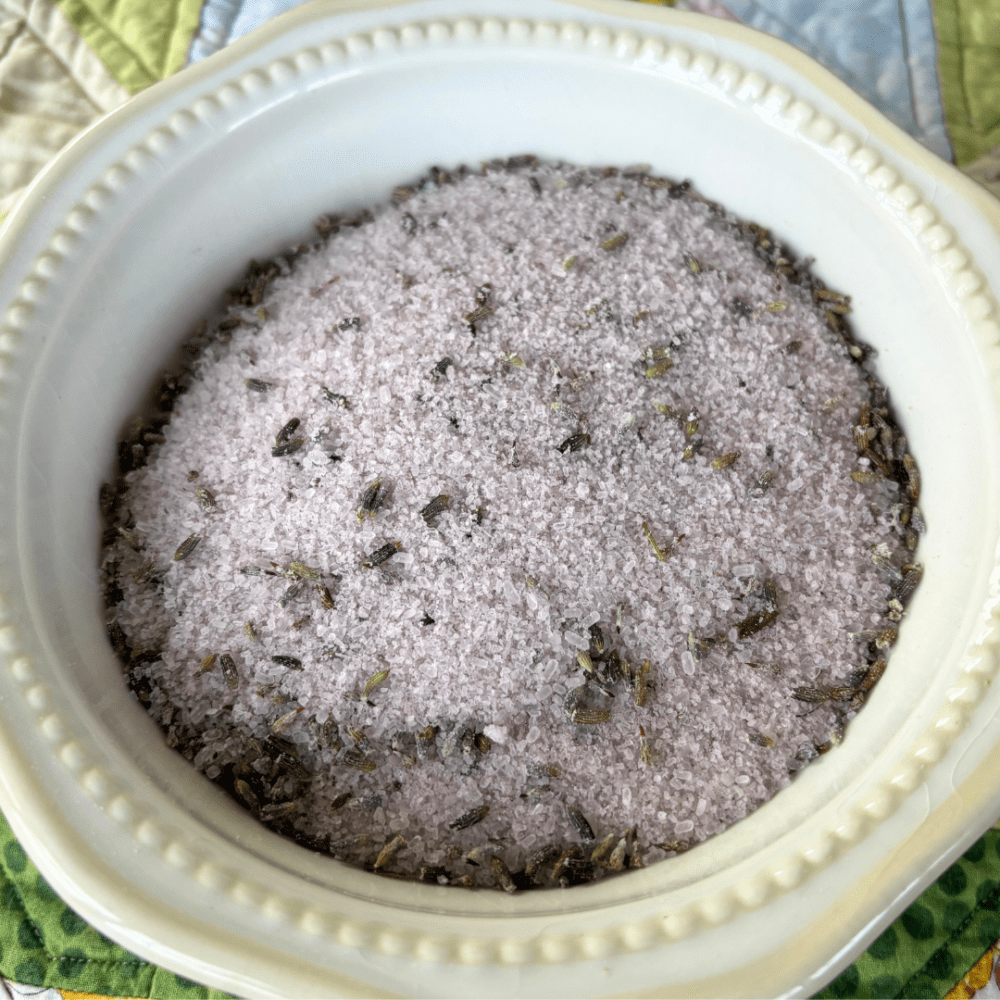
<point x="45" y="943"/>
<point x="140" y="41"/>
<point x="968" y="36"/>
<point x="937" y="939"/>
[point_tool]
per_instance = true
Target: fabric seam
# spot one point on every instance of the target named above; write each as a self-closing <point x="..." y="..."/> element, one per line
<point x="60" y="959"/>
<point x="115" y="38"/>
<point x="13" y="38"/>
<point x="26" y="25"/>
<point x="71" y="73"/>
<point x="168" y="54"/>
<point x="994" y="897"/>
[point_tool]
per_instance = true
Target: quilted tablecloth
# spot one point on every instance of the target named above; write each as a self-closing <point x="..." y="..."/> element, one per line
<point x="931" y="66"/>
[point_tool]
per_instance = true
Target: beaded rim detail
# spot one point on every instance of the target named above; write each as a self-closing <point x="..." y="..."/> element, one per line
<point x="726" y="81"/>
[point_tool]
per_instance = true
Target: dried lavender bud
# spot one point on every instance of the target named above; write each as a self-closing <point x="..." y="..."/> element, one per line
<point x="286" y="432"/>
<point x="574" y="442"/>
<point x="390" y="850"/>
<point x="283" y="722"/>
<point x="246" y="794"/>
<point x="603" y="850"/>
<point x="277" y="811"/>
<point x="288" y="447"/>
<point x="356" y="759"/>
<point x="724" y="461"/>
<point x="231" y="677"/>
<point x="615" y="242"/>
<point x="764" y="481"/>
<point x="187" y="547"/>
<point x="591" y="717"/>
<point x="119" y="643"/>
<point x="436" y="506"/>
<point x="372" y="499"/>
<point x="886" y="638"/>
<point x="441" y="368"/>
<point x="379" y="556"/>
<point x="661" y="554"/>
<point x="639" y="685"/>
<point x="290" y="594"/>
<point x="541" y="858"/>
<point x="583" y="828"/>
<point x="598" y="646"/>
<point x="576" y="871"/>
<point x="911" y="579"/>
<point x="754" y="623"/>
<point x="571" y="852"/>
<point x="477" y="315"/>
<point x="913" y="473"/>
<point x="502" y="874"/>
<point x="470" y="818"/>
<point x="206" y="498"/>
<point x="335" y="397"/>
<point x="373" y="682"/>
<point x="645" y="750"/>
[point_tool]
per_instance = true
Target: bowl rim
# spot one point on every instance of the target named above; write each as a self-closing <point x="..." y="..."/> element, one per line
<point x="16" y="784"/>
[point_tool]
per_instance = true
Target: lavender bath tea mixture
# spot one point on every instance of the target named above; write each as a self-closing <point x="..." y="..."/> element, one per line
<point x="541" y="523"/>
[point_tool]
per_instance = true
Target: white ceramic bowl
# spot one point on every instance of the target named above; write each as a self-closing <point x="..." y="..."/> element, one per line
<point x="129" y="235"/>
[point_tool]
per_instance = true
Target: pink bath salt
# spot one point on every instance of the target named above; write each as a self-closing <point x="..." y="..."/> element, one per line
<point x="564" y="440"/>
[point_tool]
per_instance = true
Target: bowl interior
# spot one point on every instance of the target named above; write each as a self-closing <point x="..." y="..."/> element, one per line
<point x="249" y="182"/>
